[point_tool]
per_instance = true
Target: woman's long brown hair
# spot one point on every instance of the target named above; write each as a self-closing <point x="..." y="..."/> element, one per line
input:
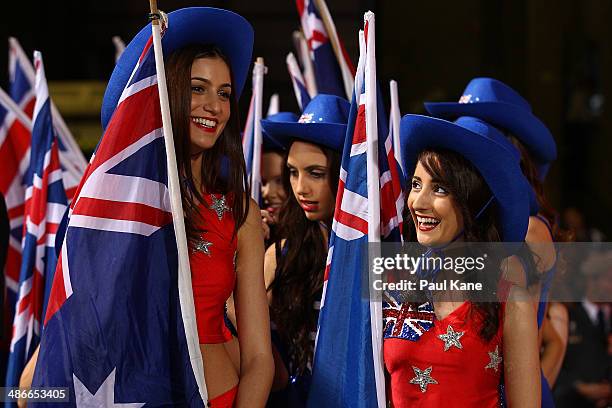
<point x="299" y="271"/>
<point x="223" y="167"/>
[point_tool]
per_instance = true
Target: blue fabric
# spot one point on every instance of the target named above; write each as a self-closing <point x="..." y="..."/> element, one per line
<point x="194" y="25"/>
<point x="474" y="139"/>
<point x="268" y="142"/>
<point x="499" y="104"/>
<point x="323" y="122"/>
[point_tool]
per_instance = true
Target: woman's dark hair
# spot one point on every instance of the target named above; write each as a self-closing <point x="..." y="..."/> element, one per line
<point x="223" y="168"/>
<point x="546" y="209"/>
<point x="470" y="193"/>
<point x="299" y="272"/>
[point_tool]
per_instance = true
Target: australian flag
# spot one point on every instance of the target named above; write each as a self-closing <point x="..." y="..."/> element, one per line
<point x="328" y="72"/>
<point x="45" y="204"/>
<point x="297" y="79"/>
<point x="348" y="358"/>
<point x="113" y="331"/>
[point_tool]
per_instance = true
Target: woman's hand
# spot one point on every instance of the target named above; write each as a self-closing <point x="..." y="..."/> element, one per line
<point x="266" y="221"/>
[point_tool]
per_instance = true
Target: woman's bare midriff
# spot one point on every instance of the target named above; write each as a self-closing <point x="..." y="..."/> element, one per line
<point x="220" y="373"/>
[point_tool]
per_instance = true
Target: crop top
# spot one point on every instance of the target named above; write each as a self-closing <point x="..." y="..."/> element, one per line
<point x="213" y="271"/>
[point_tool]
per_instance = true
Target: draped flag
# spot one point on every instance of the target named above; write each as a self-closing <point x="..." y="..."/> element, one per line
<point x="299" y="86"/>
<point x="252" y="137"/>
<point x="114" y="332"/>
<point x="333" y="69"/>
<point x="15" y="140"/>
<point x="347" y="368"/>
<point x="44" y="207"/>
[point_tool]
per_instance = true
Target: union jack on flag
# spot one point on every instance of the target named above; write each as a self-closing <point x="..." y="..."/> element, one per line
<point x="114" y="331"/>
<point x="333" y="73"/>
<point x="44" y="207"/>
<point x="368" y="209"/>
<point x="297" y="79"/>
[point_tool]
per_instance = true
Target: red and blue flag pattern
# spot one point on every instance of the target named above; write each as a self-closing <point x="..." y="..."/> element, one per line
<point x="345" y="356"/>
<point x="45" y="205"/>
<point x="113" y="331"/>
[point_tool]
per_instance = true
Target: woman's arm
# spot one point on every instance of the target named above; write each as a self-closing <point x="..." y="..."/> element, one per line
<point x="256" y="363"/>
<point x="521" y="356"/>
<point x="554" y="341"/>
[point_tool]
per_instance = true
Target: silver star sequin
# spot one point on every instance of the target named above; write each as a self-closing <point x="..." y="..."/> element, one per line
<point x="495" y="359"/>
<point x="219" y="206"/>
<point x="451" y="338"/>
<point x="422" y="378"/>
<point x="203" y="246"/>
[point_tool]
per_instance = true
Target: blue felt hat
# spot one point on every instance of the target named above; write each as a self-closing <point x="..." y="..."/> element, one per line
<point x="269" y="142"/>
<point x="502" y="106"/>
<point x="475" y="140"/>
<point x="232" y="33"/>
<point x="323" y="122"/>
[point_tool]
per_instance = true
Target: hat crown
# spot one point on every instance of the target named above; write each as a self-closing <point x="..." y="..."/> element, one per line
<point x="283" y="117"/>
<point x="489" y="131"/>
<point x="492" y="90"/>
<point x="325" y="108"/>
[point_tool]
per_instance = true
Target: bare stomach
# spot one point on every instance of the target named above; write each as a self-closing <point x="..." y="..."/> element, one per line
<point x="221" y="375"/>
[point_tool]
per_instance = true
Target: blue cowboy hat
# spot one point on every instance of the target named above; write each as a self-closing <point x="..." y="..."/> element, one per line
<point x="475" y="140"/>
<point x="500" y="105"/>
<point x="232" y="33"/>
<point x="269" y="143"/>
<point x="323" y="122"/>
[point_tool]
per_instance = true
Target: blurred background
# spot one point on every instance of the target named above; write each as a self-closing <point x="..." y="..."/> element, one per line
<point x="555" y="53"/>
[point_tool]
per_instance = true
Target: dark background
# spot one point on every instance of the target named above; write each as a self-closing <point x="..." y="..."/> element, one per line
<point x="557" y="54"/>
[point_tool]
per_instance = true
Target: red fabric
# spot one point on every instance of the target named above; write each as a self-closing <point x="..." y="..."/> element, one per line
<point x="463" y="380"/>
<point x="213" y="276"/>
<point x="225" y="400"/>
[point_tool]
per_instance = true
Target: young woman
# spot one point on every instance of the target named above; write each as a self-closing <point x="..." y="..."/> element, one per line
<point x="208" y="53"/>
<point x="465" y="187"/>
<point x="500" y="105"/>
<point x="273" y="192"/>
<point x="294" y="266"/>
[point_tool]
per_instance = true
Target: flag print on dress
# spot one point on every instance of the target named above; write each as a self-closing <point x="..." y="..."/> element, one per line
<point x="44" y="207"/>
<point x="348" y="367"/>
<point x="114" y="332"/>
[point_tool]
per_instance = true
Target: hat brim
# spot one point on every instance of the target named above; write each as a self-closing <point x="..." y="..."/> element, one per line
<point x="523" y="124"/>
<point x="229" y="31"/>
<point x="327" y="134"/>
<point x="421" y="132"/>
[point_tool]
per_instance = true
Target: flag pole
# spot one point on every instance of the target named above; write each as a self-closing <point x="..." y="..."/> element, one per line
<point x="395" y="121"/>
<point x="330" y="27"/>
<point x="258" y="73"/>
<point x="11" y="106"/>
<point x="184" y="272"/>
<point x="303" y="54"/>
<point x="374" y="230"/>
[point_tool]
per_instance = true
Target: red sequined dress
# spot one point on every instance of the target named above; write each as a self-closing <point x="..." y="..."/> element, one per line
<point x="441" y="363"/>
<point x="212" y="259"/>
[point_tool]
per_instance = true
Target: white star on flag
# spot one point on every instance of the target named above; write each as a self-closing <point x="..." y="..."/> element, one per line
<point x="104" y="396"/>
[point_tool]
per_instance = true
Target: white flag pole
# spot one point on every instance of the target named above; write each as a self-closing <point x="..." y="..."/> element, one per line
<point x="273" y="106"/>
<point x="304" y="56"/>
<point x="295" y="73"/>
<point x="330" y="27"/>
<point x="394" y="121"/>
<point x="119" y="47"/>
<point x="373" y="176"/>
<point x="184" y="272"/>
<point x="258" y="74"/>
